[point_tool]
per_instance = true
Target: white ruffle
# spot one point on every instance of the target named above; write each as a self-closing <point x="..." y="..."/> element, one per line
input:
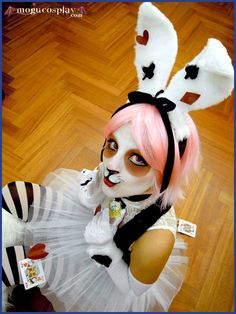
<point x="74" y="281"/>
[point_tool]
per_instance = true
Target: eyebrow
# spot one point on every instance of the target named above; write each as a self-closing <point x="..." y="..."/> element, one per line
<point x="112" y="136"/>
<point x="136" y="150"/>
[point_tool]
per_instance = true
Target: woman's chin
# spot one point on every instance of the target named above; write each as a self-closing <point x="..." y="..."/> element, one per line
<point x="110" y="191"/>
<point x="116" y="191"/>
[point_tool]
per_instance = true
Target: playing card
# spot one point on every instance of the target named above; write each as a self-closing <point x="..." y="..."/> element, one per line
<point x="32" y="273"/>
<point x="187" y="228"/>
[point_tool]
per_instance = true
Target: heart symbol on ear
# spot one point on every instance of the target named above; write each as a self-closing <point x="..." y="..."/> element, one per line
<point x="37" y="251"/>
<point x="142" y="40"/>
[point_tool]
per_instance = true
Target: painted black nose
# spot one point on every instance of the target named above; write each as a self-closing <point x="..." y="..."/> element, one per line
<point x="111" y="172"/>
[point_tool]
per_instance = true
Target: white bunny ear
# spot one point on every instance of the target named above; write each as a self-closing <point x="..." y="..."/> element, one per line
<point x="155" y="49"/>
<point x="205" y="81"/>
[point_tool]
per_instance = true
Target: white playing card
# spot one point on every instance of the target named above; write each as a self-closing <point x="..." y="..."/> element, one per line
<point x="187" y="228"/>
<point x="32" y="273"/>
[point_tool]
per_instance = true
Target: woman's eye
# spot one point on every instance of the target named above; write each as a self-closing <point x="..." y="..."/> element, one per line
<point x="137" y="160"/>
<point x="112" y="145"/>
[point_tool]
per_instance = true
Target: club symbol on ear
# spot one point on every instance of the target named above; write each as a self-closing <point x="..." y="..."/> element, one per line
<point x="149" y="71"/>
<point x="191" y="72"/>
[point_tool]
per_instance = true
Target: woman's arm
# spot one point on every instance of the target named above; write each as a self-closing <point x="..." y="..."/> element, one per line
<point x="148" y="256"/>
<point x="150" y="253"/>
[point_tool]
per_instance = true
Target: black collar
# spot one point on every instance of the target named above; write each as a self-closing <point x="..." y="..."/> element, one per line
<point x="137" y="198"/>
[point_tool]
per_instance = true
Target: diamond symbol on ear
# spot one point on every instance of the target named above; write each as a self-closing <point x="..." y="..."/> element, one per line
<point x="190" y="98"/>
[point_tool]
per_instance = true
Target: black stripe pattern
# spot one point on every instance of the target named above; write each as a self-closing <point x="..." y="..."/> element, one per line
<point x="15" y="193"/>
<point x="15" y="197"/>
<point x="10" y="270"/>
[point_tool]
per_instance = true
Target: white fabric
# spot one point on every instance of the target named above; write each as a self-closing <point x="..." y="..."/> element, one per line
<point x="9" y="201"/>
<point x="137" y="286"/>
<point x="214" y="83"/>
<point x="99" y="230"/>
<point x="81" y="286"/>
<point x="12" y="230"/>
<point x="91" y="194"/>
<point x="121" y="275"/>
<point x="107" y="249"/>
<point x="215" y="79"/>
<point x="167" y="222"/>
<point x="161" y="48"/>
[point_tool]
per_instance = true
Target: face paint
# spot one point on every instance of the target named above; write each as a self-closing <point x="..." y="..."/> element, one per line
<point x="126" y="173"/>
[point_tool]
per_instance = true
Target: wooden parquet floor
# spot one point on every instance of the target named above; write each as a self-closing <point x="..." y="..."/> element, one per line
<point x="64" y="77"/>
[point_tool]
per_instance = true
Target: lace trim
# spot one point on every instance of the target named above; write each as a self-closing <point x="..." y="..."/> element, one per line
<point x="167" y="221"/>
<point x="134" y="208"/>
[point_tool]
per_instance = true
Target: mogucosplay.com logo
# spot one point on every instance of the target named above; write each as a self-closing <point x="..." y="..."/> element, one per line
<point x="67" y="12"/>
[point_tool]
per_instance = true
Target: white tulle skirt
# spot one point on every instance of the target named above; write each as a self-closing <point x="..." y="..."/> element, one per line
<point x="74" y="281"/>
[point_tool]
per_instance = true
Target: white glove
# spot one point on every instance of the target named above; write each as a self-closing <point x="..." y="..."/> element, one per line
<point x="99" y="230"/>
<point x="90" y="192"/>
<point x="117" y="269"/>
<point x="109" y="249"/>
<point x="99" y="233"/>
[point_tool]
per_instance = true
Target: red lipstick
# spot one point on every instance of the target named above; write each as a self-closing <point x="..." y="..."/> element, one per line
<point x="108" y="183"/>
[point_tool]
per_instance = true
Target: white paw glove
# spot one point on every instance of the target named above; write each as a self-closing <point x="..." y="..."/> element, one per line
<point x="110" y="256"/>
<point x="99" y="230"/>
<point x="108" y="250"/>
<point x="90" y="192"/>
<point x="99" y="234"/>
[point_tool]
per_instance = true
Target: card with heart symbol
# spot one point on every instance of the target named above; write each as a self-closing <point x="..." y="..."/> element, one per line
<point x="32" y="273"/>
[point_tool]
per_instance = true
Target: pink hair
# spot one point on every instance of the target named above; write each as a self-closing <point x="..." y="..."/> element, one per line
<point x="150" y="136"/>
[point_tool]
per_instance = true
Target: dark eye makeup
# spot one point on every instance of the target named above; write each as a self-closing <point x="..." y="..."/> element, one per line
<point x="138" y="160"/>
<point x="112" y="145"/>
<point x="132" y="157"/>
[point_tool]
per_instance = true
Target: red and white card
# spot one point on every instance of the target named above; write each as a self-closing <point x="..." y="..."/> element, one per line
<point x="32" y="273"/>
<point x="187" y="228"/>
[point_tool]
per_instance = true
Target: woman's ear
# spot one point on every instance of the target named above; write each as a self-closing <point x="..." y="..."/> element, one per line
<point x="155" y="49"/>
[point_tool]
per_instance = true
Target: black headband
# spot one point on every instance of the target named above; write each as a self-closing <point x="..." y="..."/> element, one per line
<point x="164" y="105"/>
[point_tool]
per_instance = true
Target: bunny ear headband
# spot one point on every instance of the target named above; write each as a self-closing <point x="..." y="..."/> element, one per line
<point x="205" y="81"/>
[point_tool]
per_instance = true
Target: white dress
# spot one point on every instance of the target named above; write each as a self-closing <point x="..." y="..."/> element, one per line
<point x="74" y="281"/>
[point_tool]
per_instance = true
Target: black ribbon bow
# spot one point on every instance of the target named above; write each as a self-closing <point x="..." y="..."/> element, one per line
<point x="161" y="103"/>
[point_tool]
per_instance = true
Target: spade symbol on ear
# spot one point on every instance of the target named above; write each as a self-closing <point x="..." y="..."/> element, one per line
<point x="149" y="71"/>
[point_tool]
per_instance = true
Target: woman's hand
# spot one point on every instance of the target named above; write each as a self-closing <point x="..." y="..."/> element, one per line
<point x="90" y="192"/>
<point x="99" y="230"/>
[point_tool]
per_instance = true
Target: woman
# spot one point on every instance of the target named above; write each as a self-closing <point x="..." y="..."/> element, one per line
<point x="143" y="267"/>
<point x="120" y="215"/>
